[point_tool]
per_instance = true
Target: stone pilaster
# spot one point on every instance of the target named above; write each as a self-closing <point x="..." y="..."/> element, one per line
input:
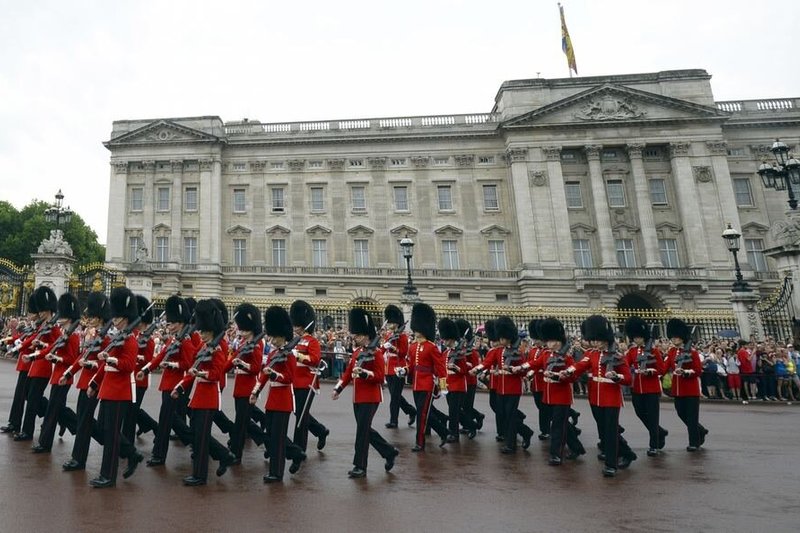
<point x="517" y="159"/>
<point x="652" y="258"/>
<point x="608" y="255"/>
<point x="726" y="195"/>
<point x="558" y="200"/>
<point x="688" y="204"/>
<point x="176" y="214"/>
<point x="117" y="210"/>
<point x="149" y="205"/>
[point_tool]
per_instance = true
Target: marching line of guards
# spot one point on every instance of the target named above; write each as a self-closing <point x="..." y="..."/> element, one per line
<point x="114" y="359"/>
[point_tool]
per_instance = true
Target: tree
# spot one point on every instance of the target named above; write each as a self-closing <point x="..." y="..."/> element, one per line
<point x="21" y="232"/>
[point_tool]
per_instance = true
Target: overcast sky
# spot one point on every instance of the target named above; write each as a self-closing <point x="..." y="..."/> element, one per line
<point x="70" y="68"/>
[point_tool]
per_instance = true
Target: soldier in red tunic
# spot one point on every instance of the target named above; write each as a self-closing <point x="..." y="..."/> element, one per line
<point x="395" y="349"/>
<point x="537" y="380"/>
<point x="456" y="357"/>
<point x="21" y="390"/>
<point x="468" y="410"/>
<point x="684" y="361"/>
<point x="648" y="366"/>
<point x="365" y="370"/>
<point x="145" y="346"/>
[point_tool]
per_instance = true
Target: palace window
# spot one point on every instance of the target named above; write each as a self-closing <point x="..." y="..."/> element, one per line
<point x="134" y="244"/>
<point x="319" y="253"/>
<point x="317" y="199"/>
<point x="279" y="252"/>
<point x="398" y="162"/>
<point x="497" y="255"/>
<point x="400" y="197"/>
<point x="658" y="191"/>
<point x="582" y="252"/>
<point x="137" y="199"/>
<point x="755" y="254"/>
<point x="491" y="202"/>
<point x="162" y="199"/>
<point x="486" y="160"/>
<point x="239" y="201"/>
<point x="239" y="167"/>
<point x="361" y="253"/>
<point x="356" y="162"/>
<point x="239" y="252"/>
<point x="572" y="190"/>
<point x="358" y="198"/>
<point x="450" y="254"/>
<point x="743" y="192"/>
<point x="190" y="199"/>
<point x="616" y="193"/>
<point x="444" y="195"/>
<point x="190" y="250"/>
<point x="626" y="256"/>
<point x="440" y="161"/>
<point x="669" y="253"/>
<point x="162" y="249"/>
<point x="278" y="205"/>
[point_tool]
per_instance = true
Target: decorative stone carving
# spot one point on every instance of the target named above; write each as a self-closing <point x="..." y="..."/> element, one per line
<point x="464" y="160"/>
<point x="537" y="178"/>
<point x="678" y="149"/>
<point x="420" y="161"/>
<point x="786" y="232"/>
<point x="258" y="166"/>
<point x="762" y="152"/>
<point x="593" y="151"/>
<point x="517" y="155"/>
<point x="205" y="164"/>
<point x="177" y="165"/>
<point x="376" y="162"/>
<point x="609" y="107"/>
<point x="717" y="147"/>
<point x="635" y="150"/>
<point x="120" y="167"/>
<point x="55" y="244"/>
<point x="702" y="174"/>
<point x="336" y="164"/>
<point x="149" y="166"/>
<point x="296" y="164"/>
<point x="552" y="153"/>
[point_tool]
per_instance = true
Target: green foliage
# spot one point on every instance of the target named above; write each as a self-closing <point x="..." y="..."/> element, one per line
<point x="22" y="231"/>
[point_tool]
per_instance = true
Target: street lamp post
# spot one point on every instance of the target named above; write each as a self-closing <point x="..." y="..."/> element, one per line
<point x="57" y="213"/>
<point x="785" y="174"/>
<point x="408" y="252"/>
<point x="731" y="237"/>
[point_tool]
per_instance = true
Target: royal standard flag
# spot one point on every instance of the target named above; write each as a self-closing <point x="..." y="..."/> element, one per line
<point x="566" y="43"/>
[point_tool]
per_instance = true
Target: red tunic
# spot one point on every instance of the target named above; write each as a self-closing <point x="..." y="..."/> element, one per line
<point x="144" y="356"/>
<point x="644" y="383"/>
<point x="397" y="354"/>
<point x="206" y="391"/>
<point x="603" y="392"/>
<point x="280" y="394"/>
<point x="26" y="348"/>
<point x="505" y="384"/>
<point x="88" y="372"/>
<point x="368" y="389"/>
<point x="68" y="354"/>
<point x="554" y="391"/>
<point x="41" y="367"/>
<point x="685" y="386"/>
<point x="537" y="383"/>
<point x="473" y="360"/>
<point x="425" y="362"/>
<point x="117" y="382"/>
<point x="456" y="379"/>
<point x="304" y="375"/>
<point x="245" y="378"/>
<point x="170" y="377"/>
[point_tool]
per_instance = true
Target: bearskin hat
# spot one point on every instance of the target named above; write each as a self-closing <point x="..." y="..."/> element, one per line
<point x="248" y="318"/>
<point x="191" y="303"/>
<point x="393" y="315"/>
<point x="551" y="329"/>
<point x="506" y="329"/>
<point x="177" y="310"/>
<point x="490" y="327"/>
<point x="360" y="323"/>
<point x="636" y="327"/>
<point x="208" y="317"/>
<point x="302" y="314"/>
<point x="97" y="306"/>
<point x="423" y="320"/>
<point x="123" y="304"/>
<point x="223" y="309"/>
<point x="69" y="307"/>
<point x="277" y="322"/>
<point x="143" y="303"/>
<point x="448" y="329"/>
<point x="597" y="328"/>
<point x="464" y="329"/>
<point x="533" y="329"/>
<point x="46" y="299"/>
<point x="32" y="308"/>
<point x="678" y="328"/>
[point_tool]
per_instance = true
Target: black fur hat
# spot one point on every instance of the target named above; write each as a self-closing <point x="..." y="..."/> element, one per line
<point x="464" y="329"/>
<point x="98" y="306"/>
<point x="223" y="309"/>
<point x="191" y="303"/>
<point x="302" y="314"/>
<point x="533" y="328"/>
<point x="636" y="327"/>
<point x="208" y="317"/>
<point x="123" y="304"/>
<point x="393" y="315"/>
<point x="177" y="310"/>
<point x="248" y="318"/>
<point x="423" y="320"/>
<point x="360" y="323"/>
<point x="69" y="307"/>
<point x="448" y="329"/>
<point x="597" y="328"/>
<point x="32" y="308"/>
<point x="490" y="327"/>
<point x="277" y="322"/>
<point x="46" y="299"/>
<point x="143" y="303"/>
<point x="551" y="329"/>
<point x="678" y="328"/>
<point x="506" y="329"/>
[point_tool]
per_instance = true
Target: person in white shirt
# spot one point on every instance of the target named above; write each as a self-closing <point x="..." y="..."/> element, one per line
<point x="734" y="379"/>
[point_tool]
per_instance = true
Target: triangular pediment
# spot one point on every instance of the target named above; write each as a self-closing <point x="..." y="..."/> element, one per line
<point x="238" y="229"/>
<point x="360" y="230"/>
<point x="755" y="227"/>
<point x="403" y="230"/>
<point x="668" y="227"/>
<point x="162" y="132"/>
<point x="581" y="227"/>
<point x="318" y="229"/>
<point x="448" y="230"/>
<point x="609" y="103"/>
<point x="277" y="228"/>
<point x="495" y="229"/>
<point x="625" y="226"/>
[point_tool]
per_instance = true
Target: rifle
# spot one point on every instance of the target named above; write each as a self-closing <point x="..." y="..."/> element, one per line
<point x="285" y="350"/>
<point x="26" y="332"/>
<point x="396" y="334"/>
<point x="612" y="358"/>
<point x="121" y="336"/>
<point x="144" y="336"/>
<point x="94" y="344"/>
<point x="367" y="354"/>
<point x="62" y="340"/>
<point x="207" y="352"/>
<point x="646" y="356"/>
<point x="248" y="347"/>
<point x="686" y="352"/>
<point x="558" y="358"/>
<point x="175" y="346"/>
<point x="511" y="355"/>
<point x="459" y="351"/>
<point x="45" y="330"/>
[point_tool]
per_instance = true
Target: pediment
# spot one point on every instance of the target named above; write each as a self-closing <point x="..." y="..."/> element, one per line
<point x="609" y="103"/>
<point x="318" y="229"/>
<point x="669" y="227"/>
<point x="238" y="229"/>
<point x="162" y="132"/>
<point x="161" y="227"/>
<point x="624" y="225"/>
<point x="495" y="229"/>
<point x="448" y="230"/>
<point x="360" y="230"/>
<point x="277" y="228"/>
<point x="755" y="227"/>
<point x="581" y="227"/>
<point x="403" y="230"/>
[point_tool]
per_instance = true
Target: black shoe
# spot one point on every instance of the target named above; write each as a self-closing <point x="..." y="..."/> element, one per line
<point x="412" y="418"/>
<point x="625" y="461"/>
<point x="8" y="428"/>
<point x="40" y="449"/>
<point x="609" y="472"/>
<point x="72" y="465"/>
<point x="191" y="481"/>
<point x="574" y="417"/>
<point x="226" y="461"/>
<point x="703" y="433"/>
<point x="479" y="421"/>
<point x="471" y="434"/>
<point x="269" y="478"/>
<point x="691" y="448"/>
<point x="236" y="461"/>
<point x="155" y="461"/>
<point x="323" y="439"/>
<point x="418" y="448"/>
<point x="554" y="460"/>
<point x="507" y="450"/>
<point x="451" y="439"/>
<point x="463" y="431"/>
<point x="652" y="452"/>
<point x="22" y="436"/>
<point x="526" y="441"/>
<point x="601" y="457"/>
<point x="391" y="425"/>
<point x="266" y="453"/>
<point x="544" y="436"/>
<point x="662" y="439"/>
<point x="574" y="455"/>
<point x="443" y="442"/>
<point x="390" y="460"/>
<point x="499" y="438"/>
<point x="296" y="463"/>
<point x="578" y="431"/>
<point x="61" y="429"/>
<point x="357" y="473"/>
<point x="101" y="483"/>
<point x="133" y="463"/>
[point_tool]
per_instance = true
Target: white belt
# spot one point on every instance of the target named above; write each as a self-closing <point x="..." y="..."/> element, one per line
<point x="549" y="380"/>
<point x="276" y="384"/>
<point x="602" y="380"/>
<point x="110" y="368"/>
<point x="240" y="371"/>
<point x="204" y="380"/>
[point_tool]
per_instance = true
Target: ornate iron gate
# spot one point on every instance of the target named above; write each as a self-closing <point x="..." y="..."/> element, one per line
<point x="776" y="311"/>
<point x="94" y="277"/>
<point x="16" y="284"/>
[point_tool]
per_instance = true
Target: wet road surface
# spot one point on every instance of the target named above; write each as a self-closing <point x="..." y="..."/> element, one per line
<point x="746" y="479"/>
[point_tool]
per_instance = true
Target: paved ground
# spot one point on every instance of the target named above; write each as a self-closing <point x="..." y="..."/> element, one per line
<point x="745" y="480"/>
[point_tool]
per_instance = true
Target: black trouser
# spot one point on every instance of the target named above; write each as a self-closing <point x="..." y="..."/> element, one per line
<point x="612" y="442"/>
<point x="146" y="422"/>
<point x="18" y="404"/>
<point x="203" y="443"/>
<point x="242" y="425"/>
<point x="129" y="426"/>
<point x="423" y="400"/>
<point x="648" y="409"/>
<point x="396" y="400"/>
<point x="509" y="404"/>
<point x="166" y="417"/>
<point x="34" y="403"/>
<point x="455" y="406"/>
<point x="277" y="424"/>
<point x="115" y="445"/>
<point x="365" y="435"/>
<point x="545" y="412"/>
<point x="54" y="415"/>
<point x="306" y="423"/>
<point x="494" y="404"/>
<point x="688" y="409"/>
<point x="562" y="432"/>
<point x="86" y="426"/>
<point x="469" y="405"/>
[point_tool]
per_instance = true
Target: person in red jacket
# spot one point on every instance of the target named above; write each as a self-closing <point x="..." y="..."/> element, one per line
<point x="537" y="380"/>
<point x="609" y="372"/>
<point x="648" y="366"/>
<point x="468" y="410"/>
<point x="457" y="371"/>
<point x="21" y="390"/>
<point x="205" y="373"/>
<point x="145" y="347"/>
<point x="426" y="365"/>
<point x="365" y="370"/>
<point x="395" y="349"/>
<point x="306" y="381"/>
<point x="61" y="354"/>
<point x="41" y="369"/>
<point x="115" y="386"/>
<point x="684" y="361"/>
<point x="747" y="370"/>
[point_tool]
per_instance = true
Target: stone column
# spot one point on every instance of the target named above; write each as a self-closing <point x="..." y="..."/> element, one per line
<point x="117" y="211"/>
<point x="608" y="255"/>
<point x="652" y="257"/>
<point x="175" y="241"/>
<point x="747" y="317"/>
<point x="53" y="263"/>
<point x="216" y="212"/>
<point x="208" y="247"/>
<point x="558" y="199"/>
<point x="688" y="204"/>
<point x="725" y="194"/>
<point x="148" y="206"/>
<point x="517" y="157"/>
